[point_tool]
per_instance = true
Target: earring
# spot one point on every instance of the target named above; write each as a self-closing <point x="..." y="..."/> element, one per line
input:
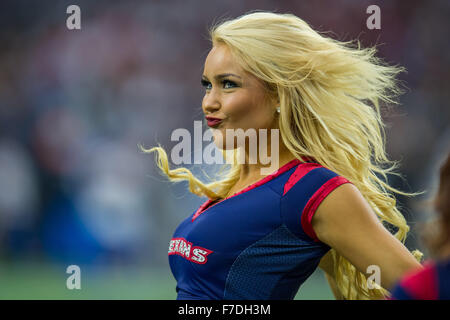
<point x="278" y="110"/>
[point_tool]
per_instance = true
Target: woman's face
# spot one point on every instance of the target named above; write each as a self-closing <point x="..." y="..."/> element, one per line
<point x="234" y="99"/>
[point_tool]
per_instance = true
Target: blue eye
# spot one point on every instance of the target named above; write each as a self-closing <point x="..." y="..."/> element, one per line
<point x="230" y="82"/>
<point x="205" y="84"/>
<point x="227" y="84"/>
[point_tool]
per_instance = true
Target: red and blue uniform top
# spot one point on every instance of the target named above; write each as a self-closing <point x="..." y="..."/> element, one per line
<point x="257" y="244"/>
<point x="430" y="283"/>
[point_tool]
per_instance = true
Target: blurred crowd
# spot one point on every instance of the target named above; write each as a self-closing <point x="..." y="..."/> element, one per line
<point x="75" y="104"/>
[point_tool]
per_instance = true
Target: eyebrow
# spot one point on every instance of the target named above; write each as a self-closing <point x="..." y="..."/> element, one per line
<point x="223" y="75"/>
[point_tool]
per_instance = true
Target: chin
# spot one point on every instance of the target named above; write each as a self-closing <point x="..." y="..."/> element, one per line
<point x="220" y="140"/>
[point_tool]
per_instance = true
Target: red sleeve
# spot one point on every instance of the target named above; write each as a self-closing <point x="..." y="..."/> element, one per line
<point x="423" y="284"/>
<point x="314" y="202"/>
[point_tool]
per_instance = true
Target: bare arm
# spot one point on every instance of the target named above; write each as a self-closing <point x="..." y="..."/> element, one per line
<point x="346" y="222"/>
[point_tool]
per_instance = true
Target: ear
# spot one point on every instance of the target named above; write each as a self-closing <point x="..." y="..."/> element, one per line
<point x="271" y="93"/>
<point x="275" y="100"/>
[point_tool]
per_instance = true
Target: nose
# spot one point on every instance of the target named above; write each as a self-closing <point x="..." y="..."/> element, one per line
<point x="211" y="102"/>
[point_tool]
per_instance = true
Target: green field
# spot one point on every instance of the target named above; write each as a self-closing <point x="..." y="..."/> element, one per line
<point x="44" y="281"/>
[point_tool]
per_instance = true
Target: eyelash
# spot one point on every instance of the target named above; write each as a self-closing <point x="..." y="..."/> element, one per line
<point x="206" y="83"/>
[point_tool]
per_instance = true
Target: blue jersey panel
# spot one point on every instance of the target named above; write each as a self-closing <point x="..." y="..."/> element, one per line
<point x="252" y="245"/>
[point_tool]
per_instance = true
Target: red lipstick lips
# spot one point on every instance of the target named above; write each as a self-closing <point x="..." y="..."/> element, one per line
<point x="213" y="122"/>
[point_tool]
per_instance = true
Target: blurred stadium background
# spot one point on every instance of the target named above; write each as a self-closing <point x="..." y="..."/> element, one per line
<point x="74" y="104"/>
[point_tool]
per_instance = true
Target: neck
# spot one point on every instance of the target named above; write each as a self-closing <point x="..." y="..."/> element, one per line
<point x="274" y="156"/>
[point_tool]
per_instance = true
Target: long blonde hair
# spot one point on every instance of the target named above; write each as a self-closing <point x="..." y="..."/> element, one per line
<point x="330" y="94"/>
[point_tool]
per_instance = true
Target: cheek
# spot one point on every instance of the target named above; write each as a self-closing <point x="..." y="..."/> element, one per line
<point x="237" y="106"/>
<point x="246" y="112"/>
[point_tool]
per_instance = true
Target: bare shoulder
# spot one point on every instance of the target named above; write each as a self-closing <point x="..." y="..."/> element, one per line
<point x="345" y="199"/>
<point x="341" y="209"/>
